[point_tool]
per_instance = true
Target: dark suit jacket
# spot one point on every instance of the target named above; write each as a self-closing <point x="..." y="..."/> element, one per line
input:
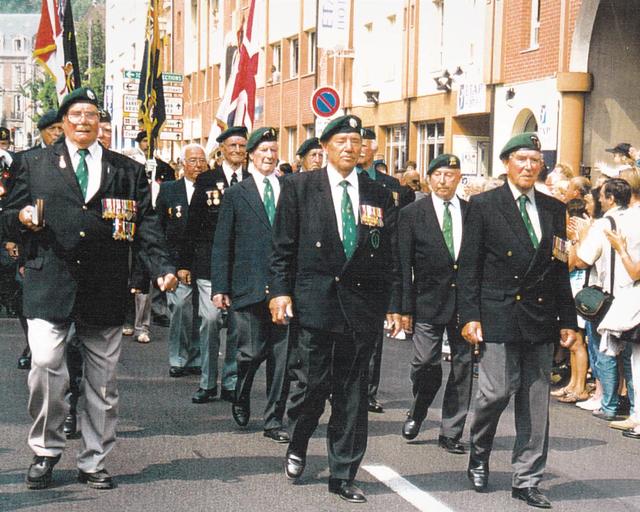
<point x="164" y="172"/>
<point x="241" y="247"/>
<point x="172" y="207"/>
<point x="517" y="292"/>
<point x="201" y="226"/>
<point x="309" y="264"/>
<point x="74" y="267"/>
<point x="429" y="273"/>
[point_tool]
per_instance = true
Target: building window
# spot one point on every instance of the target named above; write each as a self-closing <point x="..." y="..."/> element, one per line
<point x="310" y="131"/>
<point x="18" y="75"/>
<point x="395" y="150"/>
<point x="17" y="45"/>
<point x="17" y="106"/>
<point x="311" y="48"/>
<point x="294" y="54"/>
<point x="276" y="61"/>
<point x="535" y="23"/>
<point x="430" y="144"/>
<point x="292" y="139"/>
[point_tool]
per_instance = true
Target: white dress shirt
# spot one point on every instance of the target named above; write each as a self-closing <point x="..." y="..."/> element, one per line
<point x="456" y="218"/>
<point x="531" y="207"/>
<point x="273" y="179"/>
<point x="189" y="186"/>
<point x="335" y="178"/>
<point x="228" y="171"/>
<point x="94" y="165"/>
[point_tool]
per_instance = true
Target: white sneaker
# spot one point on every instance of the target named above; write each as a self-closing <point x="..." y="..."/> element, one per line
<point x="627" y="424"/>
<point x="590" y="405"/>
<point x="144" y="338"/>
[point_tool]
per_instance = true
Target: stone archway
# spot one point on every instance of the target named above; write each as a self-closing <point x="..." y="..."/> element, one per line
<point x="612" y="109"/>
<point x="525" y="121"/>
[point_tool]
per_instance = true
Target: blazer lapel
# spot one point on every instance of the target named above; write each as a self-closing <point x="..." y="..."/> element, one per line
<point x="61" y="161"/>
<point x="251" y="195"/>
<point x="546" y="228"/>
<point x="434" y="226"/>
<point x="326" y="209"/>
<point x="108" y="172"/>
<point x="509" y="210"/>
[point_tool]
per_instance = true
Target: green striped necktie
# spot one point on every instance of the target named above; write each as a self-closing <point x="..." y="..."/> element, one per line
<point x="348" y="222"/>
<point x="522" y="201"/>
<point x="82" y="172"/>
<point x="269" y="200"/>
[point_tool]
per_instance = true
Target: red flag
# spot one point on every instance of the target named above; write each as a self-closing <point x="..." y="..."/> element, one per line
<point x="49" y="46"/>
<point x="237" y="107"/>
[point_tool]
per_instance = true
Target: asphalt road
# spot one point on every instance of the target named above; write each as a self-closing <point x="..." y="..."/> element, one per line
<point x="173" y="455"/>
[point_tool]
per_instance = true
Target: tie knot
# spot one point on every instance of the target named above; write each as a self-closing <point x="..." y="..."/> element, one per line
<point x="83" y="152"/>
<point x="523" y="199"/>
<point x="344" y="184"/>
<point x="447" y="204"/>
<point x="265" y="180"/>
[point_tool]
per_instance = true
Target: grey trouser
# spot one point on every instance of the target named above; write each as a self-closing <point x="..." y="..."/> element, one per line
<point x="522" y="370"/>
<point x="49" y="380"/>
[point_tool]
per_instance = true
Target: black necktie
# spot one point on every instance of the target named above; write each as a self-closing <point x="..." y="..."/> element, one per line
<point x="234" y="178"/>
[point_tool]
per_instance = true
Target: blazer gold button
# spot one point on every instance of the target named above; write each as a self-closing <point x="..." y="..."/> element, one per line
<point x="78" y="262"/>
<point x="357" y="284"/>
<point x="455" y="267"/>
<point x="337" y="279"/>
<point x="82" y="234"/>
<point x="518" y="297"/>
<point x="371" y="255"/>
<point x="540" y="300"/>
<point x="509" y="253"/>
<point x="318" y="244"/>
<point x="515" y="277"/>
<point x="84" y="207"/>
<point x="453" y="285"/>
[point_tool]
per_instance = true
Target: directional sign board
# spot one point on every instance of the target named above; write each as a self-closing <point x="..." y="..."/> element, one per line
<point x="325" y="101"/>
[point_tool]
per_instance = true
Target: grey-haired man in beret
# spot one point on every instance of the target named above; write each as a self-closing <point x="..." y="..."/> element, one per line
<point x="515" y="303"/>
<point x="335" y="267"/>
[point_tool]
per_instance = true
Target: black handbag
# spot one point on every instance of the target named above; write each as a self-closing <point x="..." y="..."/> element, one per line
<point x="592" y="302"/>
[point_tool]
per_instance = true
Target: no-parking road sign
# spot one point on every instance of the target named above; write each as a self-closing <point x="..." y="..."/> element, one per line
<point x="325" y="101"/>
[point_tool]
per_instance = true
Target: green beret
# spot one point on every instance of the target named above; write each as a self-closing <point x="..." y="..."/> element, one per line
<point x="308" y="145"/>
<point x="80" y="95"/>
<point x="5" y="134"/>
<point x="445" y="160"/>
<point x="264" y="134"/>
<point x="232" y="131"/>
<point x="105" y="117"/>
<point x="342" y="124"/>
<point x="368" y="133"/>
<point x="47" y="119"/>
<point x="527" y="140"/>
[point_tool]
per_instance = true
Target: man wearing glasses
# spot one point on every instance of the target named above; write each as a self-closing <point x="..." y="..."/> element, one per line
<point x="79" y="207"/>
<point x="515" y="302"/>
<point x="195" y="259"/>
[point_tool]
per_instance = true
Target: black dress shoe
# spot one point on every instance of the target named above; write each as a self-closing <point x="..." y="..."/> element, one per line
<point x="202" y="396"/>
<point x="24" y="362"/>
<point x="532" y="496"/>
<point x="228" y="395"/>
<point x="631" y="434"/>
<point x="375" y="406"/>
<point x="70" y="425"/>
<point x="277" y="434"/>
<point x="39" y="474"/>
<point x="294" y="465"/>
<point x="240" y="413"/>
<point x="347" y="490"/>
<point x="176" y="371"/>
<point x="411" y="428"/>
<point x="193" y="370"/>
<point x="450" y="444"/>
<point x="99" y="480"/>
<point x="478" y="474"/>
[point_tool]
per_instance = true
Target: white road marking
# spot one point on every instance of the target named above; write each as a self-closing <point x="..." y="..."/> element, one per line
<point x="420" y="499"/>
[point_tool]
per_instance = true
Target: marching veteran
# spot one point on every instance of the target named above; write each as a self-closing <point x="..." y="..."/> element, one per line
<point x="515" y="302"/>
<point x="335" y="266"/>
<point x="78" y="207"/>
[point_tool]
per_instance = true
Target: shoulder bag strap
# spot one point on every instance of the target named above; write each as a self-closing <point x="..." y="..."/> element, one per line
<point x="613" y="256"/>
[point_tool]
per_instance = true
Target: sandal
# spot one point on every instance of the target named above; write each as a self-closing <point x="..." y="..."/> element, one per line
<point x="560" y="392"/>
<point x="572" y="398"/>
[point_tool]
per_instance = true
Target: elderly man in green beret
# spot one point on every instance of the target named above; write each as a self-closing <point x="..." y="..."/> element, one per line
<point x="310" y="155"/>
<point x="429" y="292"/>
<point x="67" y="203"/>
<point x="240" y="282"/>
<point x="335" y="267"/>
<point x="515" y="303"/>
